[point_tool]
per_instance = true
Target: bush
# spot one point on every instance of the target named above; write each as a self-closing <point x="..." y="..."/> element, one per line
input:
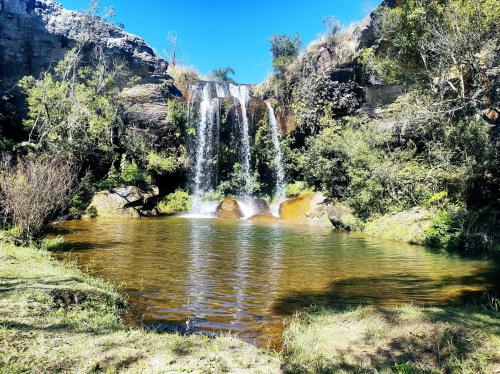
<point x="178" y="201"/>
<point x="296" y="188"/>
<point x="35" y="191"/>
<point x="442" y="233"/>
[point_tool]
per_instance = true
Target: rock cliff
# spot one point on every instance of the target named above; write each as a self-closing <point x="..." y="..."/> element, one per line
<point x="36" y="34"/>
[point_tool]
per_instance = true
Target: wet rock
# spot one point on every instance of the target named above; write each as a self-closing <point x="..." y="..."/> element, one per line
<point x="261" y="207"/>
<point x="229" y="209"/>
<point x="127" y="201"/>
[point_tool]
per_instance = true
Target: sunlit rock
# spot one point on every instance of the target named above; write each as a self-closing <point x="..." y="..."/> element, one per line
<point x="315" y="209"/>
<point x="229" y="209"/>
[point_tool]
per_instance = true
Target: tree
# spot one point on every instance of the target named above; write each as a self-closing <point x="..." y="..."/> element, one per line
<point x="284" y="49"/>
<point x="332" y="25"/>
<point x="171" y="51"/>
<point x="74" y="111"/>
<point x="223" y="74"/>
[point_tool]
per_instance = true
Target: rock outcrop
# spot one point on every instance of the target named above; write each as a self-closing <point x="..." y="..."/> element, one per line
<point x="36" y="34"/>
<point x="124" y="202"/>
<point x="229" y="209"/>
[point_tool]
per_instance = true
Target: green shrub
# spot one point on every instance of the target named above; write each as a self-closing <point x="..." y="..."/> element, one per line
<point x="178" y="201"/>
<point x="130" y="172"/>
<point x="442" y="233"/>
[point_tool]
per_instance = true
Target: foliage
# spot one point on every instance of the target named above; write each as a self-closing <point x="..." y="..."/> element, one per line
<point x="178" y="201"/>
<point x="35" y="191"/>
<point x="131" y="173"/>
<point x="223" y="74"/>
<point x="296" y="188"/>
<point x="284" y="49"/>
<point x="448" y="45"/>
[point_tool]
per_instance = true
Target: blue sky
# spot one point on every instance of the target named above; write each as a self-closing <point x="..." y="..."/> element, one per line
<point x="217" y="33"/>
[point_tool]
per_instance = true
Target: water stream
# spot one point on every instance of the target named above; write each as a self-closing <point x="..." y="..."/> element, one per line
<point x="241" y="94"/>
<point x="279" y="193"/>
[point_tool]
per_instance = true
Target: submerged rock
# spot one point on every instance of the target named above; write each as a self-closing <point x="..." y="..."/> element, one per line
<point x="122" y="202"/>
<point x="229" y="209"/>
<point x="264" y="218"/>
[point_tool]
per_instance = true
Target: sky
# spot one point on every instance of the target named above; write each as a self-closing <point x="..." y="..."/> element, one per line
<point x="217" y="33"/>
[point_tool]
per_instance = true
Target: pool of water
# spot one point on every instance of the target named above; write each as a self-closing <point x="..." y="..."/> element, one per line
<point x="208" y="275"/>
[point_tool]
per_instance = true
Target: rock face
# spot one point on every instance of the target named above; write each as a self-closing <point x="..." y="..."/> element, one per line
<point x="229" y="209"/>
<point x="36" y="34"/>
<point x="124" y="202"/>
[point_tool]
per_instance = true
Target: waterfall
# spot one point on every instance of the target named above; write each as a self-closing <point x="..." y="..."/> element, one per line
<point x="279" y="192"/>
<point x="206" y="144"/>
<point x="241" y="94"/>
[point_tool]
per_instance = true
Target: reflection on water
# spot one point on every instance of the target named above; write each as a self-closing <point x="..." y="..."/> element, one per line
<point x="245" y="277"/>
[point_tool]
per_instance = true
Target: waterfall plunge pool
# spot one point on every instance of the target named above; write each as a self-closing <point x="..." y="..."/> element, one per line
<point x="247" y="278"/>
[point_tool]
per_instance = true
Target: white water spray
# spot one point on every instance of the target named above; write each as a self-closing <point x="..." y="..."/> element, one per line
<point x="205" y="145"/>
<point x="279" y="192"/>
<point x="241" y="94"/>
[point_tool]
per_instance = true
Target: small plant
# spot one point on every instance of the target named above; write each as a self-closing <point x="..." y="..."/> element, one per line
<point x="178" y="201"/>
<point x="296" y="188"/>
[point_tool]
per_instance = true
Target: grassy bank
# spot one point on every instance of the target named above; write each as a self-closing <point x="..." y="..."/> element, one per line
<point x="53" y="318"/>
<point x="406" y="339"/>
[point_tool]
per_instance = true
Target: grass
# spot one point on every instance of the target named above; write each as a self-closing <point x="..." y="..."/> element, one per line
<point x="53" y="318"/>
<point x="407" y="339"/>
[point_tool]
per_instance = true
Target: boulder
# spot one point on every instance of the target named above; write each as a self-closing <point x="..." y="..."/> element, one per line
<point x="341" y="216"/>
<point x="261" y="207"/>
<point x="229" y="209"/>
<point x="124" y="202"/>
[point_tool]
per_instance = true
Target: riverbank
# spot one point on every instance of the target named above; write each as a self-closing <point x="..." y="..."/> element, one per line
<point x="54" y="318"/>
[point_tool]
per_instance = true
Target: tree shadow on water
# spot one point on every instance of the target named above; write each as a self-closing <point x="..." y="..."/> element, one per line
<point x="391" y="290"/>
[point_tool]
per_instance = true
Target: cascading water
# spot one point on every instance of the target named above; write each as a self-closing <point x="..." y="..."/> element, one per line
<point x="279" y="192"/>
<point x="206" y="144"/>
<point x="241" y="94"/>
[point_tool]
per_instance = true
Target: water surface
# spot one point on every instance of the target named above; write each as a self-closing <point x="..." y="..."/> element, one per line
<point x="246" y="278"/>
